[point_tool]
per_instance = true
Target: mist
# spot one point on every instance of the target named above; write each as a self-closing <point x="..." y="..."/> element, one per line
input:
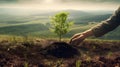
<point x="85" y="5"/>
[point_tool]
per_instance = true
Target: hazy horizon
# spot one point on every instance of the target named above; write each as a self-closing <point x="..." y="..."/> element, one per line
<point x="61" y="4"/>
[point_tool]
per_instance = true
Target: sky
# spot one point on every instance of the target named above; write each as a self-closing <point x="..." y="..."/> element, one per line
<point x="61" y="4"/>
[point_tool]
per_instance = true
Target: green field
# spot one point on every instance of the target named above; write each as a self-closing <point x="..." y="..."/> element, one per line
<point x="38" y="24"/>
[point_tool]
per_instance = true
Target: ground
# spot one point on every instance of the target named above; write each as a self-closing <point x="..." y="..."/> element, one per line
<point x="92" y="53"/>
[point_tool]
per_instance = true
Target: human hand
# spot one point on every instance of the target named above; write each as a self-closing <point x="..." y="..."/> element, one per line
<point x="77" y="38"/>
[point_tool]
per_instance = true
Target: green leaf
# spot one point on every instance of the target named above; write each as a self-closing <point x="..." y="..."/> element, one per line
<point x="59" y="24"/>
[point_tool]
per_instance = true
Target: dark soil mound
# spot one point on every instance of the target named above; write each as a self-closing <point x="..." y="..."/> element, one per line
<point x="61" y="50"/>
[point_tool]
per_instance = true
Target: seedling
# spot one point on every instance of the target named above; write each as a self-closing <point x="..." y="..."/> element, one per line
<point x="60" y="25"/>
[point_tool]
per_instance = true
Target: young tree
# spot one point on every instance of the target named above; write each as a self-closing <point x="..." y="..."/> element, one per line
<point x="60" y="24"/>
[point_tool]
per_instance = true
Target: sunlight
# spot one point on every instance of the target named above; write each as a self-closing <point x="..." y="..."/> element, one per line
<point x="48" y="1"/>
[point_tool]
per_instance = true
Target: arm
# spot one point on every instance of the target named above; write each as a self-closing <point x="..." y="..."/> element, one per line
<point x="100" y="29"/>
<point x="108" y="25"/>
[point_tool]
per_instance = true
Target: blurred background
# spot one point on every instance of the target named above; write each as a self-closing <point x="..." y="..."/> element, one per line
<point x="32" y="17"/>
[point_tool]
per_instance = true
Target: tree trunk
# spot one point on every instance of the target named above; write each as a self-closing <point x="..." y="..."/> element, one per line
<point x="60" y="38"/>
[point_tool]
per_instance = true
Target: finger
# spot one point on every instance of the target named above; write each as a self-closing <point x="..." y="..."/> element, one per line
<point x="77" y="40"/>
<point x="81" y="38"/>
<point x="74" y="36"/>
<point x="70" y="41"/>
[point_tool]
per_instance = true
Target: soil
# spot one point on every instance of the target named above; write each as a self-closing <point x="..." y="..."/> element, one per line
<point x="59" y="54"/>
<point x="61" y="50"/>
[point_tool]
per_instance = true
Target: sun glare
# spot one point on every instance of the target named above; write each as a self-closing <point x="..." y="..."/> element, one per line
<point x="48" y="1"/>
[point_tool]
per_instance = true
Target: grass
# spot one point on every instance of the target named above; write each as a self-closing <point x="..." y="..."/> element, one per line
<point x="40" y="28"/>
<point x="25" y="50"/>
<point x="26" y="64"/>
<point x="78" y="63"/>
<point x="29" y="38"/>
<point x="22" y="38"/>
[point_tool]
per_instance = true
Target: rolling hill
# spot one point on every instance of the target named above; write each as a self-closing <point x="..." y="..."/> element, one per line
<point x="37" y="23"/>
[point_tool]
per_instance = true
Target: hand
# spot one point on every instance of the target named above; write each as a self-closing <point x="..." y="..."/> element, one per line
<point x="77" y="38"/>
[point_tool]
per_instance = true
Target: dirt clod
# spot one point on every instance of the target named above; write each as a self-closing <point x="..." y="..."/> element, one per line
<point x="61" y="50"/>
